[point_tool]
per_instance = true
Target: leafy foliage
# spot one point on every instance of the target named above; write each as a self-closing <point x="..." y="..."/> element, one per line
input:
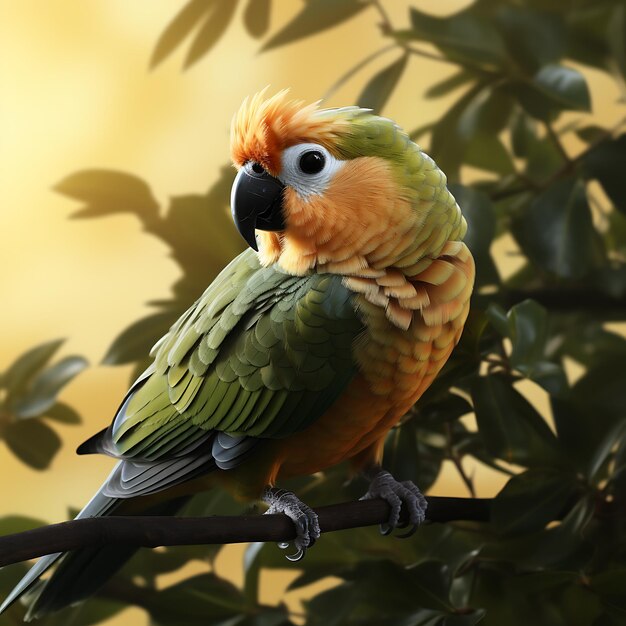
<point x="28" y="393"/>
<point x="555" y="551"/>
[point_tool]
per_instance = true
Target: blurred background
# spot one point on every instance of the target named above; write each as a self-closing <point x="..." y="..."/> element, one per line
<point x="77" y="92"/>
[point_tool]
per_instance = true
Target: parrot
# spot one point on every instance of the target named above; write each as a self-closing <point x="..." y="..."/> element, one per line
<point x="305" y="350"/>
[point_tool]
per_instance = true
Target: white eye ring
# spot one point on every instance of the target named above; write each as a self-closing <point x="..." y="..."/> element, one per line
<point x="313" y="183"/>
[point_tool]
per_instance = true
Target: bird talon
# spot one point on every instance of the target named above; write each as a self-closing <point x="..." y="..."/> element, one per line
<point x="397" y="494"/>
<point x="304" y="519"/>
<point x="298" y="556"/>
<point x="408" y="533"/>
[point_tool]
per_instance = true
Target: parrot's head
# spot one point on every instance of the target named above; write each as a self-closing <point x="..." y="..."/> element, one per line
<point x="335" y="190"/>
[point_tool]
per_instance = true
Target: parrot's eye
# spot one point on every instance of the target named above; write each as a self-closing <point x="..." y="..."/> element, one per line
<point x="257" y="168"/>
<point x="312" y="162"/>
<point x="308" y="168"/>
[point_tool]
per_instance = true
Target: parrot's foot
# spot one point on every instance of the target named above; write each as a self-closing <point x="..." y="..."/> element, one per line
<point x="303" y="516"/>
<point x="385" y="486"/>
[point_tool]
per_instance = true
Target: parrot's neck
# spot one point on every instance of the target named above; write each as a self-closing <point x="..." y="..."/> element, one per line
<point x="420" y="280"/>
<point x="387" y="230"/>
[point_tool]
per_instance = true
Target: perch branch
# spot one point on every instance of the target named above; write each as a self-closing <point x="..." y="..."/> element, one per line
<point x="152" y="531"/>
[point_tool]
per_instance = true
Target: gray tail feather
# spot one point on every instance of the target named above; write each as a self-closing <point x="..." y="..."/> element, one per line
<point x="98" y="506"/>
<point x="80" y="572"/>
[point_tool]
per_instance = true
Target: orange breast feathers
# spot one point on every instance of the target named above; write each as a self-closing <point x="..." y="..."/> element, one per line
<point x="412" y="325"/>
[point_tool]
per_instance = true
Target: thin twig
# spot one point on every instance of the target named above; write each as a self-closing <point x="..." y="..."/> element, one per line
<point x="356" y="68"/>
<point x="554" y="138"/>
<point x="388" y="29"/>
<point x="453" y="455"/>
<point x="568" y="166"/>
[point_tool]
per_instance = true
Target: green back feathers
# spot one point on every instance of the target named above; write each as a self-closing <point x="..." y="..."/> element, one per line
<point x="261" y="353"/>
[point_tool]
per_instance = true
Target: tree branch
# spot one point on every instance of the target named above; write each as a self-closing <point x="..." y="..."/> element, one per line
<point x="152" y="531"/>
<point x="570" y="300"/>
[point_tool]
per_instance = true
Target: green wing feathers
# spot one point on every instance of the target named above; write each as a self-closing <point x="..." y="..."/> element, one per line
<point x="261" y="354"/>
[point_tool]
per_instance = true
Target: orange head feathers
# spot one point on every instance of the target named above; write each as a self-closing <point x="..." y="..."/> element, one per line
<point x="335" y="190"/>
<point x="263" y="128"/>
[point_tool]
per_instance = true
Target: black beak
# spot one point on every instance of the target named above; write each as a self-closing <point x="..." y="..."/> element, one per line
<point x="256" y="201"/>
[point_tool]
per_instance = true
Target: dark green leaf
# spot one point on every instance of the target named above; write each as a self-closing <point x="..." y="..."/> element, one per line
<point x="544" y="160"/>
<point x="106" y="192"/>
<point x="488" y="113"/>
<point x="587" y="40"/>
<point x="590" y="421"/>
<point x="611" y="585"/>
<point x="486" y="151"/>
<point x="615" y="237"/>
<point x="541" y="581"/>
<point x="603" y="453"/>
<point x="463" y="36"/>
<point x="605" y="163"/>
<point x="535" y="102"/>
<point x="381" y="590"/>
<point x="499" y="319"/>
<point x="533" y="39"/>
<point x="578" y="431"/>
<point x="565" y="86"/>
<point x="591" y="344"/>
<point x="401" y="453"/>
<point x="449" y="84"/>
<point x="618" y="475"/>
<point x="601" y="390"/>
<point x="531" y="500"/>
<point x="202" y="236"/>
<point x="256" y="17"/>
<point x="196" y="600"/>
<point x="591" y="133"/>
<point x="211" y="31"/>
<point x="410" y="455"/>
<point x="523" y="134"/>
<point x="528" y="326"/>
<point x="509" y="425"/>
<point x="617" y="37"/>
<point x="61" y="412"/>
<point x="430" y="585"/>
<point x="94" y="611"/>
<point x="25" y="367"/>
<point x="18" y="523"/>
<point x="180" y="27"/>
<point x="316" y="16"/>
<point x="469" y="131"/>
<point x="45" y="388"/>
<point x="560" y="547"/>
<point x="557" y="233"/>
<point x="473" y="333"/>
<point x="447" y="145"/>
<point x="481" y="227"/>
<point x="135" y="342"/>
<point x="380" y="87"/>
<point x="355" y="69"/>
<point x="33" y="442"/>
<point x="148" y="564"/>
<point x="612" y="280"/>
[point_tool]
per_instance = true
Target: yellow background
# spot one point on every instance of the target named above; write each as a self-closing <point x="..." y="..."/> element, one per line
<point x="75" y="93"/>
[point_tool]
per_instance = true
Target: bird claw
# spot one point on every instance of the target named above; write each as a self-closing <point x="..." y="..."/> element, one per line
<point x="408" y="533"/>
<point x="385" y="486"/>
<point x="303" y="517"/>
